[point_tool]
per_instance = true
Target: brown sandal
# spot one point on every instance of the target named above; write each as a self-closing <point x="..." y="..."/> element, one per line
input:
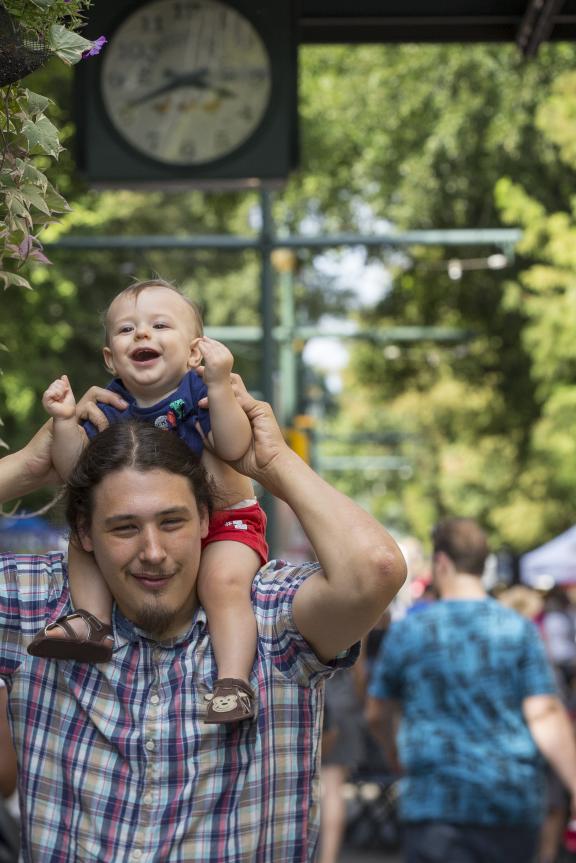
<point x="231" y="701"/>
<point x="96" y="647"/>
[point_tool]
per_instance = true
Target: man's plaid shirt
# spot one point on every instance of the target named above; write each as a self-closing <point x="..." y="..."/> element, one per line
<point x="115" y="761"/>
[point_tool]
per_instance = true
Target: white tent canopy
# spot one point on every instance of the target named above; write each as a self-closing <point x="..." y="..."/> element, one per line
<point x="551" y="563"/>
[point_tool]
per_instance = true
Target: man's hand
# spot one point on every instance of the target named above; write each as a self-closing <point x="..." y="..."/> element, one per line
<point x="30" y="468"/>
<point x="87" y="409"/>
<point x="59" y="401"/>
<point x="267" y="444"/>
<point x="267" y="440"/>
<point x="37" y="467"/>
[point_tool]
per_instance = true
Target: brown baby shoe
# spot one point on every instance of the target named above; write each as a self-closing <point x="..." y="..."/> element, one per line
<point x="95" y="646"/>
<point x="231" y="701"/>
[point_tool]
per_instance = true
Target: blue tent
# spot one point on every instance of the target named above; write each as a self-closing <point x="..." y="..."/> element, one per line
<point x="551" y="563"/>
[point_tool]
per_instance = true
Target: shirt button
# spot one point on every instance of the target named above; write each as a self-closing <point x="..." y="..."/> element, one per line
<point x="137" y="854"/>
<point x="150" y="745"/>
<point x="155" y="699"/>
<point x="148" y="799"/>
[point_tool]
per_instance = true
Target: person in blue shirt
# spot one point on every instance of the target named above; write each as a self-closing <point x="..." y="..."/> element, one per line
<point x="467" y="685"/>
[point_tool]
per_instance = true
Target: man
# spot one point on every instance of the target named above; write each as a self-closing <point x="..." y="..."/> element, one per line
<point x="477" y="703"/>
<point x="116" y="763"/>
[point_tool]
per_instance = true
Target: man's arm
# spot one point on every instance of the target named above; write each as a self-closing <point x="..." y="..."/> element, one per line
<point x="383" y="717"/>
<point x="31" y="468"/>
<point x="553" y="734"/>
<point x="362" y="568"/>
<point x="8" y="759"/>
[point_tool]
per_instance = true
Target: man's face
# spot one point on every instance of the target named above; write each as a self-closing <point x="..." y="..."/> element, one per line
<point x="145" y="536"/>
<point x="152" y="342"/>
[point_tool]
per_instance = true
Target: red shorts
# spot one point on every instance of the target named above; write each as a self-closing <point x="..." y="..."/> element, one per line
<point x="247" y="525"/>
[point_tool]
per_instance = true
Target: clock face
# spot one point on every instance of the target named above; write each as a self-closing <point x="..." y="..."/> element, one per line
<point x="186" y="82"/>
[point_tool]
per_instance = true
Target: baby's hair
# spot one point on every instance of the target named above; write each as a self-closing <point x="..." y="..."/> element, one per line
<point x="138" y="287"/>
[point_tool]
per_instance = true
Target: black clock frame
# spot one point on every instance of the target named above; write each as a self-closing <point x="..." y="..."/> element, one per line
<point x="266" y="157"/>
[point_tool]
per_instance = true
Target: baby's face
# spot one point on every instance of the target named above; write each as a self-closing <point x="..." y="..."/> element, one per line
<point x="152" y="342"/>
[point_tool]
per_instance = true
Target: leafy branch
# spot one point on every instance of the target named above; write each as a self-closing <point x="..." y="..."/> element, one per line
<point x="30" y="32"/>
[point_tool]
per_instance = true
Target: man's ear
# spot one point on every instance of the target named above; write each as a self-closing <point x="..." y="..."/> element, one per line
<point x="195" y="358"/>
<point x="83" y="540"/>
<point x="107" y="354"/>
<point x="442" y="562"/>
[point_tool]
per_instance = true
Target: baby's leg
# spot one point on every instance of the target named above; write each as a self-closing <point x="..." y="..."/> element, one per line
<point x="86" y="634"/>
<point x="227" y="570"/>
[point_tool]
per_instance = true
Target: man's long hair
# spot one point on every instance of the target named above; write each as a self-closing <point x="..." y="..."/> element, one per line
<point x="464" y="542"/>
<point x="138" y="446"/>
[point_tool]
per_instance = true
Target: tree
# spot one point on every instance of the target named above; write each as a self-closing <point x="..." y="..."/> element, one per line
<point x="450" y="122"/>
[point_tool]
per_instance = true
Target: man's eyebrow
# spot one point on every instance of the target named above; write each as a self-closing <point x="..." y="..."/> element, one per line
<point x="127" y="516"/>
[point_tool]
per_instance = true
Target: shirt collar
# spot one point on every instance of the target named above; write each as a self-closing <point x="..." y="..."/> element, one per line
<point x="126" y="632"/>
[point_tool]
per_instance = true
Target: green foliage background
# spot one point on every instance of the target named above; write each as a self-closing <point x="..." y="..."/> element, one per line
<point x="442" y="136"/>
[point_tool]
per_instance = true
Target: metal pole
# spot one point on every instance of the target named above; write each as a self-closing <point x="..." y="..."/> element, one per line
<point x="285" y="262"/>
<point x="268" y="346"/>
<point x="266" y="297"/>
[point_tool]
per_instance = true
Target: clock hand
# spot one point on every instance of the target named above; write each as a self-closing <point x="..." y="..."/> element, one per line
<point x="224" y="92"/>
<point x="198" y="80"/>
<point x="189" y="79"/>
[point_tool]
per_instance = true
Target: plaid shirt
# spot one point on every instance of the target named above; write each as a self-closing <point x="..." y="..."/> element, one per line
<point x="115" y="762"/>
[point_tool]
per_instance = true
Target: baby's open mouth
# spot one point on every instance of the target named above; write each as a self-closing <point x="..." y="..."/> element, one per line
<point x="142" y="355"/>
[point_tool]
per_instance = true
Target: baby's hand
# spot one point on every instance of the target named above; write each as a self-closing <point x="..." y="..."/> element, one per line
<point x="59" y="401"/>
<point x="218" y="361"/>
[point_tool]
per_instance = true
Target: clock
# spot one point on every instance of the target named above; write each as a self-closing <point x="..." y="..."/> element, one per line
<point x="186" y="83"/>
<point x="189" y="90"/>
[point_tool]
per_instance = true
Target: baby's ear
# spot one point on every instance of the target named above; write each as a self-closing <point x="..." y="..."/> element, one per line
<point x="195" y="358"/>
<point x="107" y="354"/>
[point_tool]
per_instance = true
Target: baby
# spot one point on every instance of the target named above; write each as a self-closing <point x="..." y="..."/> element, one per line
<point x="154" y="344"/>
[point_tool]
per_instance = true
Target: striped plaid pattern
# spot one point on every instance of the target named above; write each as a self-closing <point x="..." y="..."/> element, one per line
<point x="115" y="761"/>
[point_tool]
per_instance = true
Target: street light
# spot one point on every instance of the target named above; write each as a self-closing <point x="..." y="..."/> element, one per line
<point x="456" y="266"/>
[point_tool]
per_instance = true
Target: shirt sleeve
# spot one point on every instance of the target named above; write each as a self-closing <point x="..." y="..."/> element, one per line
<point x="536" y="676"/>
<point x="386" y="679"/>
<point x="31" y="591"/>
<point x="273" y="592"/>
<point x="198" y="390"/>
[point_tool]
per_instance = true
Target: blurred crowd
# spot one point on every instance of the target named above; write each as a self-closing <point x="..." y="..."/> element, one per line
<point x="353" y="759"/>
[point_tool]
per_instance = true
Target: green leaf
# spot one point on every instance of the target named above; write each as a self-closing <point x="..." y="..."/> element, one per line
<point x="7" y="181"/>
<point x="15" y="280"/>
<point x="37" y="104"/>
<point x="42" y="135"/>
<point x="55" y="201"/>
<point x="67" y="45"/>
<point x="34" y="197"/>
<point x="16" y="207"/>
<point x="31" y="174"/>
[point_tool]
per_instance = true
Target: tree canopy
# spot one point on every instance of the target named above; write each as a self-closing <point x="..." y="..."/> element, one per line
<point x="443" y="136"/>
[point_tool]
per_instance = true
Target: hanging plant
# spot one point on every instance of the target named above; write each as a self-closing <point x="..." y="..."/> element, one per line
<point x="31" y="31"/>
